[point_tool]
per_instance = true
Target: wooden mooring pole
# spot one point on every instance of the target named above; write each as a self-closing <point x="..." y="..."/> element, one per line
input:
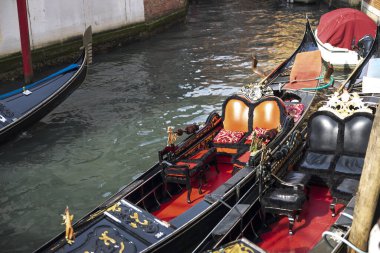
<point x="22" y="11"/>
<point x="369" y="190"/>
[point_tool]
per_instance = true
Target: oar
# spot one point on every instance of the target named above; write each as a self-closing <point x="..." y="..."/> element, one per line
<point x="341" y="88"/>
<point x="255" y="69"/>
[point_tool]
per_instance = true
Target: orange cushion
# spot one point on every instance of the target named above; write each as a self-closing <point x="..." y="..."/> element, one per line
<point x="307" y="65"/>
<point x="236" y="115"/>
<point x="226" y="136"/>
<point x="267" y="115"/>
<point x="232" y="151"/>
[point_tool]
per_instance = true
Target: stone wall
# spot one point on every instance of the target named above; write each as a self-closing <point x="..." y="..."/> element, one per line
<point x="157" y="8"/>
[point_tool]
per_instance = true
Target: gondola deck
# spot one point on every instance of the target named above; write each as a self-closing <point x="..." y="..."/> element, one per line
<point x="178" y="205"/>
<point x="314" y="219"/>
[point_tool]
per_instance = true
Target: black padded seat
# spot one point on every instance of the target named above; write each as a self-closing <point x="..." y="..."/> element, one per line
<point x="317" y="161"/>
<point x="284" y="201"/>
<point x="294" y="177"/>
<point x="322" y="143"/>
<point x="348" y="186"/>
<point x="357" y="129"/>
<point x="343" y="192"/>
<point x="350" y="165"/>
<point x="281" y="198"/>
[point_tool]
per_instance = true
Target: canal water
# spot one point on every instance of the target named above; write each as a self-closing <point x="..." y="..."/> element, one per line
<point x="111" y="128"/>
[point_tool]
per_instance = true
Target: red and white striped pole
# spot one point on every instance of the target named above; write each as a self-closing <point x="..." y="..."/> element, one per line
<point x="24" y="37"/>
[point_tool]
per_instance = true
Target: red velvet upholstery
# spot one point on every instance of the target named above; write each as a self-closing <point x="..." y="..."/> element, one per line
<point x="227" y="136"/>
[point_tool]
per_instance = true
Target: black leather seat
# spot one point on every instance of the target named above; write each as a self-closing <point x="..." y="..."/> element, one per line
<point x="348" y="168"/>
<point x="284" y="201"/>
<point x="349" y="165"/>
<point x="318" y="162"/>
<point x="343" y="192"/>
<point x="322" y="144"/>
<point x="298" y="178"/>
<point x="295" y="178"/>
<point x="357" y="129"/>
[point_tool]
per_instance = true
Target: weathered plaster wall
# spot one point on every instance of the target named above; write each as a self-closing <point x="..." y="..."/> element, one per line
<point x="9" y="29"/>
<point x="56" y="21"/>
<point x="56" y="27"/>
<point x="156" y="8"/>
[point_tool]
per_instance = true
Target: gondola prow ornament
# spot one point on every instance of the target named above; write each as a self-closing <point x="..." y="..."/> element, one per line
<point x="172" y="136"/>
<point x="67" y="220"/>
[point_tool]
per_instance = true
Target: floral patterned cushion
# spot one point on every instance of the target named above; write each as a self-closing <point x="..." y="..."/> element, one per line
<point x="295" y="111"/>
<point x="227" y="136"/>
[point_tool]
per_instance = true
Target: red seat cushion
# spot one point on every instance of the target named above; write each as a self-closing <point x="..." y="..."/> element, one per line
<point x="227" y="136"/>
<point x="174" y="171"/>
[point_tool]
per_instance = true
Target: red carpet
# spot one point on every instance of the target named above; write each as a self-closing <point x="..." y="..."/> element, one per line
<point x="178" y="204"/>
<point x="315" y="219"/>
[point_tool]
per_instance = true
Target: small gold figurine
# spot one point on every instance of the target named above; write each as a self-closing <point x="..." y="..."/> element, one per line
<point x="67" y="220"/>
<point x="172" y="137"/>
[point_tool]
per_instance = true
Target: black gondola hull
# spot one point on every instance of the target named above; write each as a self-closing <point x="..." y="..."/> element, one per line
<point x="44" y="106"/>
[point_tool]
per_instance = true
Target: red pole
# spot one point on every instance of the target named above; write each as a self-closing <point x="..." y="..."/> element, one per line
<point x="24" y="37"/>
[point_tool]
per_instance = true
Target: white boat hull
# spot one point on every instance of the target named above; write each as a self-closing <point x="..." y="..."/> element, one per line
<point x="336" y="55"/>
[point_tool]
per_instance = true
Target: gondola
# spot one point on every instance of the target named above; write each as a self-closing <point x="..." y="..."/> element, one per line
<point x="22" y="107"/>
<point x="159" y="211"/>
<point x="319" y="216"/>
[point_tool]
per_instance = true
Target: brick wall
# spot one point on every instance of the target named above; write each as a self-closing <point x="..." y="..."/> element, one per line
<point x="158" y="8"/>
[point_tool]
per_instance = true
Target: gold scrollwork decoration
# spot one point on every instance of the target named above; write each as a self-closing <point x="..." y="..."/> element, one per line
<point x="114" y="208"/>
<point x="135" y="217"/>
<point x="345" y="104"/>
<point x="106" y="239"/>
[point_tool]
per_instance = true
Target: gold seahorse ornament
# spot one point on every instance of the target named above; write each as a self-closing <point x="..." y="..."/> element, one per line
<point x="67" y="220"/>
<point x="172" y="136"/>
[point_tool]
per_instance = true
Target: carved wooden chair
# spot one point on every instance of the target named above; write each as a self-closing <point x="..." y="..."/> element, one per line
<point x="184" y="170"/>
